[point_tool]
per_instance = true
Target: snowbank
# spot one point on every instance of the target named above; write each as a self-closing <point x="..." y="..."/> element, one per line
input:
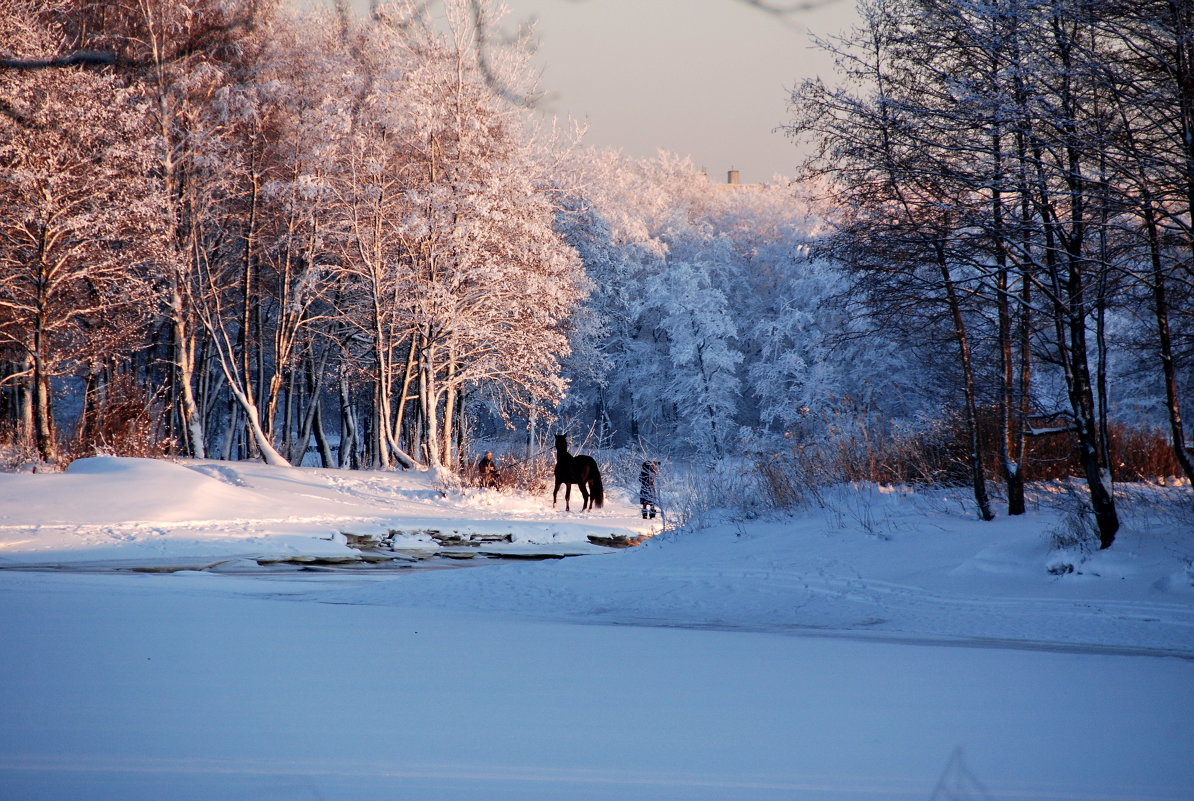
<point x="109" y="509"/>
<point x="868" y="562"/>
<point x="873" y="563"/>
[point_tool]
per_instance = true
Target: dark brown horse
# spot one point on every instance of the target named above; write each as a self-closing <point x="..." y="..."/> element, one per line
<point x="579" y="470"/>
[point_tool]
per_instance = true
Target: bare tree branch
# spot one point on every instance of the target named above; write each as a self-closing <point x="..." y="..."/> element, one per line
<point x="792" y="8"/>
<point x="84" y="58"/>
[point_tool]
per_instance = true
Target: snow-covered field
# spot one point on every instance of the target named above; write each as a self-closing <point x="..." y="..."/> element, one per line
<point x="884" y="646"/>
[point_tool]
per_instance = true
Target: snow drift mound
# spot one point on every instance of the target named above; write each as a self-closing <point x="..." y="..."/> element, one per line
<point x="106" y="489"/>
<point x="107" y="509"/>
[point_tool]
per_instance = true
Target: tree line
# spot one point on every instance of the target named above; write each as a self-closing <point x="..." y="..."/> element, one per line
<point x="233" y="231"/>
<point x="1016" y="178"/>
<point x="240" y="211"/>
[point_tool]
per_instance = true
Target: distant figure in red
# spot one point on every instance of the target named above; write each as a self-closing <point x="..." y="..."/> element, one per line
<point x="488" y="471"/>
<point x="646" y="488"/>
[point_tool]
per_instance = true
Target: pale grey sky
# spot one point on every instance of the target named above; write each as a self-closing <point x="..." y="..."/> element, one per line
<point x="702" y="78"/>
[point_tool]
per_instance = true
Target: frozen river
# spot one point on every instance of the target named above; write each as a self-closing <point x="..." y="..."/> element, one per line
<point x="203" y="686"/>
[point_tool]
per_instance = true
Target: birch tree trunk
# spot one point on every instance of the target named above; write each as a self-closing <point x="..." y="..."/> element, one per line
<point x="183" y="344"/>
<point x="975" y="456"/>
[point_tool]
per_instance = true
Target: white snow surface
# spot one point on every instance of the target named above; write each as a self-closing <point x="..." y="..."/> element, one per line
<point x="882" y="645"/>
<point x="111" y="509"/>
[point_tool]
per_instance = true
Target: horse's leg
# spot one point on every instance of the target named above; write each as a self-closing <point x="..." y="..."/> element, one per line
<point x="588" y="487"/>
<point x="583" y="484"/>
<point x="556" y="494"/>
<point x="567" y="495"/>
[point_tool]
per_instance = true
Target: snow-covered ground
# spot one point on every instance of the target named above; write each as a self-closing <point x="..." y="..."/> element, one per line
<point x="194" y="513"/>
<point x="885" y="645"/>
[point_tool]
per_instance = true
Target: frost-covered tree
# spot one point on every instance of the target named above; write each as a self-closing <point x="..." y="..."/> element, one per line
<point x="452" y="269"/>
<point x="712" y="319"/>
<point x="1035" y="147"/>
<point x="179" y="56"/>
<point x="80" y="222"/>
<point x="702" y="376"/>
<point x="1150" y="87"/>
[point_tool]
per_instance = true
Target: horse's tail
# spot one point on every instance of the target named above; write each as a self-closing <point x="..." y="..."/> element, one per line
<point x="596" y="493"/>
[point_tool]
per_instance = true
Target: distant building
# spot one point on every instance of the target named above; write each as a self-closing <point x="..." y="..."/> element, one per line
<point x="734" y="181"/>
